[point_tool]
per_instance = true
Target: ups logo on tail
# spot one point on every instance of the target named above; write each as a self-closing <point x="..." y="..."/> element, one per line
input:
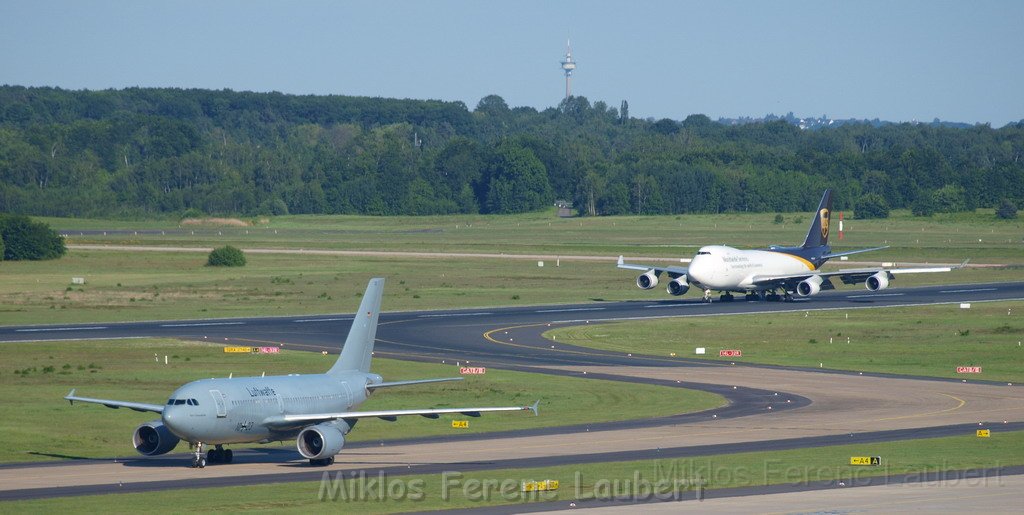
<point x="823" y="216"/>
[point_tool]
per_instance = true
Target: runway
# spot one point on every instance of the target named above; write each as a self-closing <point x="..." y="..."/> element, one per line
<point x="824" y="407"/>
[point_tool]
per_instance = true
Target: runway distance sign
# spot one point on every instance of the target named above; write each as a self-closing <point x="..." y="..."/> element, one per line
<point x="984" y="433"/>
<point x="730" y="353"/>
<point x="540" y="486"/>
<point x="866" y="460"/>
<point x="473" y="370"/>
<point x="968" y="370"/>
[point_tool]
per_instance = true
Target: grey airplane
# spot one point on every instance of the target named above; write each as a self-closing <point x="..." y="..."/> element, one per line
<point x="316" y="410"/>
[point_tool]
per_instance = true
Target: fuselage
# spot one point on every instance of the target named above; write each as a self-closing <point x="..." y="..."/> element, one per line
<point x="221" y="411"/>
<point x="723" y="268"/>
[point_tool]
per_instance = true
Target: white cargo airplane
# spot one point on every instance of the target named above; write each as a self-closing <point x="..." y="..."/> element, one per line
<point x="762" y="274"/>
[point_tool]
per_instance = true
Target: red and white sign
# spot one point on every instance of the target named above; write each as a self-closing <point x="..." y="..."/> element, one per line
<point x="473" y="370"/>
<point x="968" y="370"/>
<point x="268" y="350"/>
<point x="730" y="353"/>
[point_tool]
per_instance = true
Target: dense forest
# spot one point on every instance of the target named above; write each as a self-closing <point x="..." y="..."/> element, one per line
<point x="152" y="152"/>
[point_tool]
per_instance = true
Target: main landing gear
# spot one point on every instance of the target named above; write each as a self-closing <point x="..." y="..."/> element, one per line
<point x="216" y="455"/>
<point x="220" y="455"/>
<point x="322" y="462"/>
<point x="726" y="297"/>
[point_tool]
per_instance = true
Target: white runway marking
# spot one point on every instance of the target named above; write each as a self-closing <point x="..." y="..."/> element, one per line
<point x="874" y="295"/>
<point x="566" y="310"/>
<point x="968" y="291"/>
<point x="202" y="324"/>
<point x="322" y="320"/>
<point x="44" y="329"/>
<point x="444" y="315"/>
<point x="673" y="305"/>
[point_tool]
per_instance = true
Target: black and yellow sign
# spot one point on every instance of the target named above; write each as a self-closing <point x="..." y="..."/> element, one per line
<point x="540" y="486"/>
<point x="984" y="433"/>
<point x="246" y="350"/>
<point x="460" y="424"/>
<point x="866" y="460"/>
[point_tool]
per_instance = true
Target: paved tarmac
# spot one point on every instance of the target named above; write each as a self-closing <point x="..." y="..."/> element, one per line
<point x="833" y="405"/>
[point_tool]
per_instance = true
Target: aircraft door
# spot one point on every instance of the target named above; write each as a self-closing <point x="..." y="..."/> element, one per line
<point x="220" y="402"/>
<point x="347" y="392"/>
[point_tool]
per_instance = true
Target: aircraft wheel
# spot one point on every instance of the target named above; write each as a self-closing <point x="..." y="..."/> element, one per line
<point x="228" y="456"/>
<point x="202" y="463"/>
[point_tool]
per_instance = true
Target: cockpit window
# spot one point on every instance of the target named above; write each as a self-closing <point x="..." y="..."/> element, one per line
<point x="704" y="253"/>
<point x="193" y="402"/>
<point x="179" y="402"/>
<point x="170" y="402"/>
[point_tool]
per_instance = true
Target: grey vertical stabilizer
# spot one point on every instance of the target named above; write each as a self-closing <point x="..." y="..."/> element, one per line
<point x="358" y="349"/>
<point x="817" y="235"/>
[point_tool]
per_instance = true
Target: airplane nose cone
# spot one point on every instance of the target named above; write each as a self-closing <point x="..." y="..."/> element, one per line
<point x="700" y="270"/>
<point x="172" y="418"/>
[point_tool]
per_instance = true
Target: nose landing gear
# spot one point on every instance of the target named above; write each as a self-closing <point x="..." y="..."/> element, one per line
<point x="198" y="460"/>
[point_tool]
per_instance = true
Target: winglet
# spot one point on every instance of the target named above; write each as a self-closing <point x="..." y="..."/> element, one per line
<point x="533" y="408"/>
<point x="70" y="396"/>
<point x="621" y="260"/>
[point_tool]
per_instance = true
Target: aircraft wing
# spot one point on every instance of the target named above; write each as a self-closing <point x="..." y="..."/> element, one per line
<point x="847" y="276"/>
<point x="673" y="271"/>
<point x="137" y="406"/>
<point x="390" y="415"/>
<point x="415" y="381"/>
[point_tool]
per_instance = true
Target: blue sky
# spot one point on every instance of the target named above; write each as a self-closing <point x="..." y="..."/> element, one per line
<point x="894" y="60"/>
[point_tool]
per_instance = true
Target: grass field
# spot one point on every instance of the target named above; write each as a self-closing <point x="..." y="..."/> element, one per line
<point x="943" y="237"/>
<point x="35" y="376"/>
<point x="924" y="340"/>
<point x="600" y="481"/>
<point x="124" y="286"/>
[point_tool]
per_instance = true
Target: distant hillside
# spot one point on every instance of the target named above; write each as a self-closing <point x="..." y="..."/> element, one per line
<point x="146" y="152"/>
<point x="822" y="122"/>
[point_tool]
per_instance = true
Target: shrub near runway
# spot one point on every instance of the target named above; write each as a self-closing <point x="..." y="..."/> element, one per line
<point x="35" y="376"/>
<point x="923" y="340"/>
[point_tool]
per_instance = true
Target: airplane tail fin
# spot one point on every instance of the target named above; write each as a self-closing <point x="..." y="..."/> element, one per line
<point x="817" y="235"/>
<point x="358" y="349"/>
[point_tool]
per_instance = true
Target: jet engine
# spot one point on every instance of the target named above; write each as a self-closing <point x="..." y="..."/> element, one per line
<point x="153" y="438"/>
<point x="809" y="286"/>
<point x="677" y="286"/>
<point x="879" y="281"/>
<point x="321" y="441"/>
<point x="648" y="280"/>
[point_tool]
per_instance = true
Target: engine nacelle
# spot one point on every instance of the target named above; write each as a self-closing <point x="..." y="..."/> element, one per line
<point x="677" y="286"/>
<point x="321" y="441"/>
<point x="647" y="281"/>
<point x="153" y="438"/>
<point x="809" y="286"/>
<point x="879" y="281"/>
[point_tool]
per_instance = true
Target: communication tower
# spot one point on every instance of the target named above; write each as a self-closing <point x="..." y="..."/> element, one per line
<point x="568" y="65"/>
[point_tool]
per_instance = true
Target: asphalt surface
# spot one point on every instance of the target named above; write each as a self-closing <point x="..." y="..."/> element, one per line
<point x="509" y="338"/>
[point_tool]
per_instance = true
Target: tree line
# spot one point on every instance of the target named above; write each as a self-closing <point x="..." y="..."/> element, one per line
<point x="153" y="152"/>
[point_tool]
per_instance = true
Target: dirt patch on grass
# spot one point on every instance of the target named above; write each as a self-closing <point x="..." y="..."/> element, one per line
<point x="230" y="222"/>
